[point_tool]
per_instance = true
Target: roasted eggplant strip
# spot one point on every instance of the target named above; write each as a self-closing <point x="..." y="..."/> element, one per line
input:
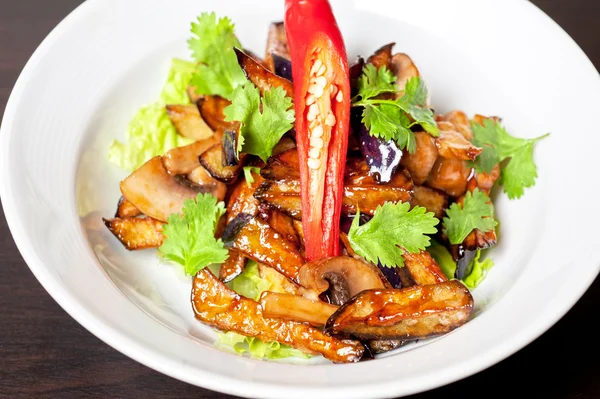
<point x="282" y="167"/>
<point x="423" y="268"/>
<point x="215" y="304"/>
<point x="242" y="199"/>
<point x="410" y="313"/>
<point x="136" y="233"/>
<point x="283" y="224"/>
<point x="188" y="122"/>
<point x="449" y="176"/>
<point x="183" y="160"/>
<point x="421" y="162"/>
<point x="283" y="195"/>
<point x="277" y="45"/>
<point x="383" y="345"/>
<point x="213" y="162"/>
<point x="296" y="308"/>
<point x="155" y="192"/>
<point x="126" y="209"/>
<point x="430" y="199"/>
<point x="382" y="57"/>
<point x="232" y="267"/>
<point x="211" y="111"/>
<point x="261" y="77"/>
<point x="257" y="240"/>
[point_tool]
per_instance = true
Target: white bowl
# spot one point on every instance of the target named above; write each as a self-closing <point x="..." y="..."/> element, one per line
<point x="109" y="57"/>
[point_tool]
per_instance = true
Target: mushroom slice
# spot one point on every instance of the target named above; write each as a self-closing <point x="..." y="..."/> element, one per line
<point x="188" y="122"/>
<point x="404" y="68"/>
<point x="257" y="240"/>
<point x="260" y="76"/>
<point x="276" y="44"/>
<point x="423" y="268"/>
<point x="155" y="192"/>
<point x="460" y="121"/>
<point x="232" y="267"/>
<point x="296" y="308"/>
<point x="409" y="313"/>
<point x="183" y="160"/>
<point x="215" y="304"/>
<point x="343" y="276"/>
<point x="201" y="177"/>
<point x="382" y="57"/>
<point x="430" y="199"/>
<point x="211" y="111"/>
<point x="452" y="144"/>
<point x="213" y="161"/>
<point x="421" y="162"/>
<point x="136" y="233"/>
<point x="126" y="209"/>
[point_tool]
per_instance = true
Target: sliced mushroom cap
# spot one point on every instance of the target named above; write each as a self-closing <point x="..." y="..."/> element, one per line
<point x="155" y="192"/>
<point x="344" y="276"/>
<point x="183" y="160"/>
<point x="404" y="68"/>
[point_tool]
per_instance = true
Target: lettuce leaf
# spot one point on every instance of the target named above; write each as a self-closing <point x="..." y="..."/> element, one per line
<point x="150" y="132"/>
<point x="249" y="283"/>
<point x="256" y="348"/>
<point x="478" y="267"/>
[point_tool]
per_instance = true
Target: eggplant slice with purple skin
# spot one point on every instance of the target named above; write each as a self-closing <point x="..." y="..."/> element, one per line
<point x="277" y="47"/>
<point x="260" y="76"/>
<point x="382" y="156"/>
<point x="282" y="67"/>
<point x="213" y="161"/>
<point x="256" y="240"/>
<point x="410" y="313"/>
<point x="136" y="233"/>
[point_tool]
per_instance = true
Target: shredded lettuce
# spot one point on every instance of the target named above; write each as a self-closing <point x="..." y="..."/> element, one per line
<point x="150" y="132"/>
<point x="256" y="348"/>
<point x="251" y="285"/>
<point x="478" y="267"/>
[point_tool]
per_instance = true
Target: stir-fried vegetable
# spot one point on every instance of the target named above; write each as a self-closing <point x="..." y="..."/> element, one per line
<point x="310" y="181"/>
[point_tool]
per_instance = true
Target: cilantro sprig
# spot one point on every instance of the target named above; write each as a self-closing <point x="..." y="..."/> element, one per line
<point x="263" y="120"/>
<point x="391" y="119"/>
<point x="217" y="71"/>
<point x="190" y="236"/>
<point x="520" y="172"/>
<point x="394" y="229"/>
<point x="477" y="212"/>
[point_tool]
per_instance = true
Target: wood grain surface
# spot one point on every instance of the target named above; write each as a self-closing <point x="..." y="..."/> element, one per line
<point x="44" y="353"/>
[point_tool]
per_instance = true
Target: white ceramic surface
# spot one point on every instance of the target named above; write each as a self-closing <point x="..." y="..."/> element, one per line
<point x="109" y="57"/>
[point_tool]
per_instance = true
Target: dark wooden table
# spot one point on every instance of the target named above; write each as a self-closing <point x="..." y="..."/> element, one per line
<point x="46" y="354"/>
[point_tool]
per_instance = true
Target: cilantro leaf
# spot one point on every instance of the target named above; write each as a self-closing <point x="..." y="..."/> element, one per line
<point x="498" y="145"/>
<point x="413" y="103"/>
<point x="390" y="119"/>
<point x="190" y="237"/>
<point x="477" y="212"/>
<point x="260" y="130"/>
<point x="374" y="82"/>
<point x="248" y="170"/>
<point x="394" y="228"/>
<point x="218" y="71"/>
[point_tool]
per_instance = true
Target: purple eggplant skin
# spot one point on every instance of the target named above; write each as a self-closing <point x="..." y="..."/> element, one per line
<point x="464" y="261"/>
<point x="283" y="66"/>
<point x="382" y="156"/>
<point x="229" y="145"/>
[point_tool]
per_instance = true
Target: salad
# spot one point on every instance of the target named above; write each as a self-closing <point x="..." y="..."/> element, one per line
<point x="321" y="207"/>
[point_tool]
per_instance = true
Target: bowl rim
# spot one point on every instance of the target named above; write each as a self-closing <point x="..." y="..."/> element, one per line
<point x="120" y="341"/>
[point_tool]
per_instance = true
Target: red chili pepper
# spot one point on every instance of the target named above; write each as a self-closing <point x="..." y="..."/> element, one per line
<point x="322" y="103"/>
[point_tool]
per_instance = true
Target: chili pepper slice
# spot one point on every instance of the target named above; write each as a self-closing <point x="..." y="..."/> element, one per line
<point x="322" y="103"/>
